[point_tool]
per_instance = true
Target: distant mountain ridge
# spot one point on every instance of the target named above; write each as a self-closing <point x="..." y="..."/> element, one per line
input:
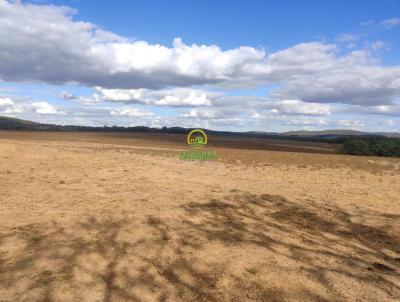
<point x="339" y="132"/>
<point x="10" y="123"/>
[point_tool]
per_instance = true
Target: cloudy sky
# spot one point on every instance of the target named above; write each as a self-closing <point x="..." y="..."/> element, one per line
<point x="227" y="65"/>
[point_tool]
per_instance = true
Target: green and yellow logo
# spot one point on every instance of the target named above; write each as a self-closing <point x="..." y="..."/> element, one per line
<point x="197" y="138"/>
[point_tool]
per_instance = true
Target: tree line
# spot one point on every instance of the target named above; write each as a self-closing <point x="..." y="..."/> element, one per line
<point x="374" y="146"/>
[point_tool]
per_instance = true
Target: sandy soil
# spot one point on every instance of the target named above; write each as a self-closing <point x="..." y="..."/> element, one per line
<point x="89" y="218"/>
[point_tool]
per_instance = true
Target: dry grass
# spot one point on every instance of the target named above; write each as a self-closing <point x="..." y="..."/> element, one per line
<point x="96" y="218"/>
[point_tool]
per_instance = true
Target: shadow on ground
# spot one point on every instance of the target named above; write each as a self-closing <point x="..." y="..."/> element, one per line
<point x="209" y="252"/>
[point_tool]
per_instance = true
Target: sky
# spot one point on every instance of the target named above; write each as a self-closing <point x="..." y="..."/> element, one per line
<point x="270" y="66"/>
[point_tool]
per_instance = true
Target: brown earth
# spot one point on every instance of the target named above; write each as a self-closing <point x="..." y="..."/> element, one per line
<point x="118" y="217"/>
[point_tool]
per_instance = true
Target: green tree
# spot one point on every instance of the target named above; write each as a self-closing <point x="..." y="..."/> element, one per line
<point x="356" y="147"/>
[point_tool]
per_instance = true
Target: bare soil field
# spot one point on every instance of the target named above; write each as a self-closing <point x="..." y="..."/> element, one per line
<point x="119" y="217"/>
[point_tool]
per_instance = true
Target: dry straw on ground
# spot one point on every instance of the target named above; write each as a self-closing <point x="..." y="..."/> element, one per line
<point x="97" y="217"/>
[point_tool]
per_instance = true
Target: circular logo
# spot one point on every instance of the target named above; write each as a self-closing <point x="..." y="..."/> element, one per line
<point x="197" y="138"/>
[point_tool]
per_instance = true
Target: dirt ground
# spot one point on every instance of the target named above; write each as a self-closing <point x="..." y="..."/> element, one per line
<point x="94" y="217"/>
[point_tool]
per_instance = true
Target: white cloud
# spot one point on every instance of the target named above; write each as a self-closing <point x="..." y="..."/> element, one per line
<point x="299" y="107"/>
<point x="202" y="114"/>
<point x="350" y="81"/>
<point x="63" y="50"/>
<point x="9" y="107"/>
<point x="12" y="105"/>
<point x="353" y="124"/>
<point x="81" y="121"/>
<point x="171" y="97"/>
<point x="6" y="102"/>
<point x="95" y="99"/>
<point x="79" y="52"/>
<point x="392" y="22"/>
<point x="238" y="116"/>
<point x="187" y="97"/>
<point x="311" y="78"/>
<point x="46" y="108"/>
<point x="385" y="24"/>
<point x="304" y="121"/>
<point x="383" y="110"/>
<point x="291" y="120"/>
<point x="131" y="112"/>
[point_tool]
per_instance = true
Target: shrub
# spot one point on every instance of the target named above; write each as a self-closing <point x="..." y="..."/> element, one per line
<point x="356" y="147"/>
<point x="379" y="147"/>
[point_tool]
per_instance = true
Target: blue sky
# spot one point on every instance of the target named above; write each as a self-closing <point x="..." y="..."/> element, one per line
<point x="273" y="25"/>
<point x="229" y="65"/>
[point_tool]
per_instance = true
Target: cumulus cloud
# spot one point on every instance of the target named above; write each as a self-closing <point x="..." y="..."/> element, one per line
<point x="203" y="114"/>
<point x="171" y="97"/>
<point x="264" y="114"/>
<point x="316" y="84"/>
<point x="10" y="107"/>
<point x="46" y="108"/>
<point x="187" y="97"/>
<point x="299" y="107"/>
<point x="66" y="96"/>
<point x="384" y="110"/>
<point x="130" y="112"/>
<point x="80" y="52"/>
<point x="350" y="81"/>
<point x="6" y="102"/>
<point x="221" y="106"/>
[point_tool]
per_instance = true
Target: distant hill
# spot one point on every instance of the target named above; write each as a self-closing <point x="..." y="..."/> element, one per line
<point x="9" y="123"/>
<point x="389" y="134"/>
<point x="339" y="132"/>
